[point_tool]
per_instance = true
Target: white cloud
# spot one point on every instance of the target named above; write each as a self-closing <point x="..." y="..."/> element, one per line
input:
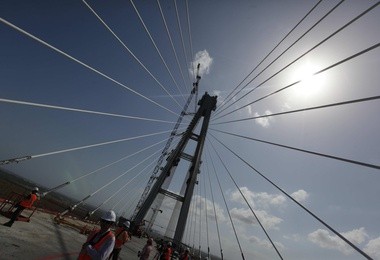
<point x="300" y="195"/>
<point x="257" y="201"/>
<point x="200" y="202"/>
<point x="216" y="92"/>
<point x="263" y="121"/>
<point x="246" y="216"/>
<point x="285" y="107"/>
<point x="373" y="248"/>
<point x="261" y="199"/>
<point x="322" y="238"/>
<point x="293" y="237"/>
<point x="356" y="235"/>
<point x="205" y="61"/>
<point x="236" y="196"/>
<point x="167" y="204"/>
<point x="265" y="243"/>
<point x="203" y="203"/>
<point x="249" y="110"/>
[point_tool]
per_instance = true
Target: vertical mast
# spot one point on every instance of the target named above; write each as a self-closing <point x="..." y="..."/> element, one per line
<point x="206" y="105"/>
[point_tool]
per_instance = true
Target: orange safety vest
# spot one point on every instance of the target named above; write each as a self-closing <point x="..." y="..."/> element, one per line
<point x="28" y="201"/>
<point x="121" y="236"/>
<point x="167" y="254"/>
<point x="185" y="257"/>
<point x="83" y="253"/>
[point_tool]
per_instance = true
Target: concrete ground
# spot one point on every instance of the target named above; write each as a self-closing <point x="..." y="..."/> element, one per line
<point x="42" y="239"/>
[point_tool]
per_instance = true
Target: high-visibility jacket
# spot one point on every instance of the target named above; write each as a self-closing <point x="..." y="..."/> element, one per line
<point x="83" y="253"/>
<point x="166" y="255"/>
<point x="121" y="236"/>
<point x="28" y="201"/>
<point x="185" y="257"/>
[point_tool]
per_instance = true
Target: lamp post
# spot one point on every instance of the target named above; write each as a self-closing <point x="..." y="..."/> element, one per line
<point x="155" y="212"/>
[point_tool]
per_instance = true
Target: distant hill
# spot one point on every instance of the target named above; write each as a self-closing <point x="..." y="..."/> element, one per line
<point x="11" y="182"/>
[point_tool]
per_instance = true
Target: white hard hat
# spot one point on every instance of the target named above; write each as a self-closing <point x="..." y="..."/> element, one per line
<point x="35" y="189"/>
<point x="170" y="244"/>
<point x="109" y="216"/>
<point x="126" y="224"/>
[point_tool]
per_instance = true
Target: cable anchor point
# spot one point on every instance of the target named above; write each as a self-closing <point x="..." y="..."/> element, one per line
<point x="15" y="160"/>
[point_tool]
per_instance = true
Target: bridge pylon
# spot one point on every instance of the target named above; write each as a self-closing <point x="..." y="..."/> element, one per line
<point x="207" y="104"/>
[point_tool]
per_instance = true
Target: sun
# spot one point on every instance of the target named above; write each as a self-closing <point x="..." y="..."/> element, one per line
<point x="311" y="85"/>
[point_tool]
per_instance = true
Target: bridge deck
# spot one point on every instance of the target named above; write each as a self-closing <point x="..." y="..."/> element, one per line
<point x="42" y="239"/>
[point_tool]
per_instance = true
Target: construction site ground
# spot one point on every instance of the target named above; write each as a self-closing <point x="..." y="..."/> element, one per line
<point x="43" y="239"/>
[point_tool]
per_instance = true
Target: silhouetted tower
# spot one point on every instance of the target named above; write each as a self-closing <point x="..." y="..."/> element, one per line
<point x="207" y="104"/>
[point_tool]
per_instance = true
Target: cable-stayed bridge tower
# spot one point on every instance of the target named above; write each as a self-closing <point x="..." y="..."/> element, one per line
<point x="207" y="104"/>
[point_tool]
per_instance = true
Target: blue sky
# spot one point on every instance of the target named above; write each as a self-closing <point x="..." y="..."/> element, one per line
<point x="60" y="54"/>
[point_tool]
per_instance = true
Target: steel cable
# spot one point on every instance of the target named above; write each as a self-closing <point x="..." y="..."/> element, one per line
<point x="360" y="100"/>
<point x="246" y="201"/>
<point x="228" y="211"/>
<point x="99" y="169"/>
<point x="158" y="51"/>
<point x="295" y="201"/>
<point x="213" y="203"/>
<point x="182" y="41"/>
<point x="305" y="53"/>
<point x="84" y="64"/>
<point x="19" y="102"/>
<point x="132" y="54"/>
<point x="373" y="166"/>
<point x="172" y="45"/>
<point x="226" y="100"/>
<point x="297" y="82"/>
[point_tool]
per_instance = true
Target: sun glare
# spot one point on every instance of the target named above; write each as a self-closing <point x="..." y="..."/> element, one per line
<point x="311" y="85"/>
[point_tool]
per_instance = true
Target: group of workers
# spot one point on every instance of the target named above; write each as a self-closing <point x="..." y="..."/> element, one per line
<point x="103" y="243"/>
<point x="166" y="252"/>
<point x="100" y="244"/>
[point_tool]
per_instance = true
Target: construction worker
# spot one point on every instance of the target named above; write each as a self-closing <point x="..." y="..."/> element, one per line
<point x="26" y="202"/>
<point x="167" y="252"/>
<point x="185" y="255"/>
<point x="100" y="243"/>
<point x="121" y="237"/>
<point x="144" y="254"/>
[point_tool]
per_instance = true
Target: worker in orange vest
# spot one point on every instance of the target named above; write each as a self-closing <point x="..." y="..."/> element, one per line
<point x="167" y="252"/>
<point x="100" y="243"/>
<point x="121" y="236"/>
<point x="185" y="255"/>
<point x="26" y="202"/>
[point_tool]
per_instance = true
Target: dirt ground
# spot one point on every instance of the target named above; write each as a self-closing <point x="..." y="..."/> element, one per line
<point x="43" y="239"/>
